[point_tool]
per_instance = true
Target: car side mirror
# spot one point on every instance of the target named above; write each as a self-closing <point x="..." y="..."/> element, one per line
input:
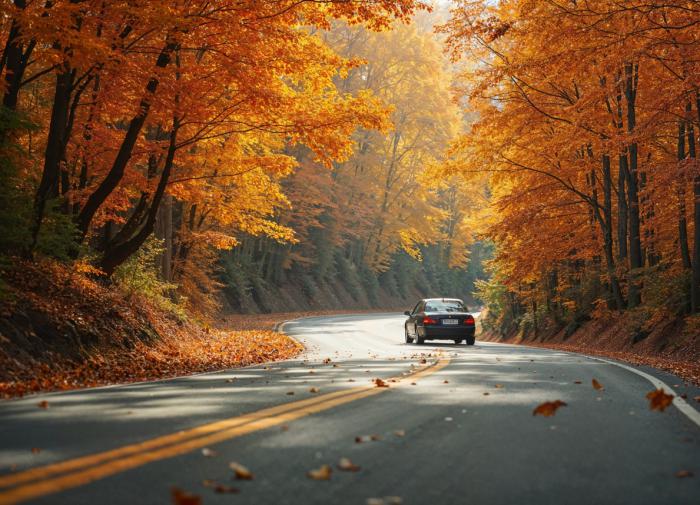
<point x="407" y="313"/>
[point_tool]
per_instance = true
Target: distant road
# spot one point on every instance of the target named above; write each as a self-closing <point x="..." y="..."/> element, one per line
<point x="458" y="430"/>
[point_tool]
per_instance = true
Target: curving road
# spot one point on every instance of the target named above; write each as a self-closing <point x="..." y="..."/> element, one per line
<point x="456" y="429"/>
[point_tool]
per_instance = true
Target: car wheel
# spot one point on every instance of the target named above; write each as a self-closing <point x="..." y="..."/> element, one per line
<point x="471" y="340"/>
<point x="419" y="341"/>
<point x="409" y="340"/>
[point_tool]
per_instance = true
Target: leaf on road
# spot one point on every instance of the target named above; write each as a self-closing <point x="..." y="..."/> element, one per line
<point x="548" y="409"/>
<point x="290" y="392"/>
<point x="387" y="500"/>
<point x="209" y="453"/>
<point x="499" y="386"/>
<point x="423" y="361"/>
<point x="180" y="497"/>
<point x="314" y="390"/>
<point x="697" y="398"/>
<point x="380" y="383"/>
<point x="486" y="393"/>
<point x="577" y="382"/>
<point x="225" y="489"/>
<point x="445" y="382"/>
<point x="659" y="400"/>
<point x="347" y="466"/>
<point x="682" y="474"/>
<point x="400" y="433"/>
<point x="322" y="473"/>
<point x="36" y="450"/>
<point x="241" y="472"/>
<point x="220" y="488"/>
<point x="43" y="404"/>
<point x="361" y="439"/>
<point x="326" y="361"/>
<point x="596" y="385"/>
<point x="413" y="384"/>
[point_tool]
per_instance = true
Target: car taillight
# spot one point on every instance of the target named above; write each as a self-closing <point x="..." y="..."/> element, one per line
<point x="429" y="320"/>
<point x="469" y="320"/>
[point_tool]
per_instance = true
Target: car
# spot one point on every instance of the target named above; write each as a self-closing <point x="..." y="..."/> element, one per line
<point x="440" y="319"/>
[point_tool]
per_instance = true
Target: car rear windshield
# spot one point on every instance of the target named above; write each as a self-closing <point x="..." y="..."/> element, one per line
<point x="445" y="306"/>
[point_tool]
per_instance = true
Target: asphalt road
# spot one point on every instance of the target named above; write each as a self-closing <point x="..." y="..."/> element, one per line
<point x="460" y="430"/>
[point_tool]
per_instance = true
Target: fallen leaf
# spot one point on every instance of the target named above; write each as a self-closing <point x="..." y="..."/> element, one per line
<point x="36" y="450"/>
<point x="290" y="392"/>
<point x="400" y="433"/>
<point x="697" y="398"/>
<point x="284" y="427"/>
<point x="43" y="404"/>
<point x="241" y="472"/>
<point x="322" y="473"/>
<point x="577" y="382"/>
<point x="423" y="361"/>
<point x="547" y="409"/>
<point x="684" y="396"/>
<point x="445" y="382"/>
<point x="326" y="361"/>
<point x="683" y="474"/>
<point x="229" y="380"/>
<point x="413" y="384"/>
<point x="208" y="452"/>
<point x="314" y="390"/>
<point x="486" y="393"/>
<point x="224" y="489"/>
<point x="180" y="497"/>
<point x="351" y="380"/>
<point x="499" y="386"/>
<point x="380" y="383"/>
<point x="596" y="385"/>
<point x="347" y="466"/>
<point x="375" y="437"/>
<point x="387" y="500"/>
<point x="659" y="400"/>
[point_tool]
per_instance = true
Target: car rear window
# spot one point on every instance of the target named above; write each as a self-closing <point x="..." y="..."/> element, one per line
<point x="445" y="306"/>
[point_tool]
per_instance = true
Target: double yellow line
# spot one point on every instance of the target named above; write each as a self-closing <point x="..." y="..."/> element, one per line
<point x="49" y="479"/>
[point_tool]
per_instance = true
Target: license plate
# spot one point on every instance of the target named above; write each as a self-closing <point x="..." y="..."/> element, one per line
<point x="450" y="321"/>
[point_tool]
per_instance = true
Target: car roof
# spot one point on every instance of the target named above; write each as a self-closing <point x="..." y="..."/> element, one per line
<point x="443" y="300"/>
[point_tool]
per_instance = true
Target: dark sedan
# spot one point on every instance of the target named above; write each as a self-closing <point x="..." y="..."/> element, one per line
<point x="440" y="319"/>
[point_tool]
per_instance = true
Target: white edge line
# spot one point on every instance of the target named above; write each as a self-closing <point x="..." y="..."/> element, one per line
<point x="678" y="402"/>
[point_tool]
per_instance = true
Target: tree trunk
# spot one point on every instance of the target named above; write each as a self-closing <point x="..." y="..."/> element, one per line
<point x="695" y="286"/>
<point x="54" y="155"/>
<point x="110" y="182"/>
<point x="622" y="209"/>
<point x="635" y="246"/>
<point x="14" y="61"/>
<point x="118" y="253"/>
<point x="615" y="288"/>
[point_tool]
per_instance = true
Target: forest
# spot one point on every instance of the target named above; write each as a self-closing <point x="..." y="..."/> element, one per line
<point x="204" y="158"/>
<point x="586" y="134"/>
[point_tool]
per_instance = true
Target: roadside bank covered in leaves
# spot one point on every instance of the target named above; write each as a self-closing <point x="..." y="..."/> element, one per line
<point x="61" y="329"/>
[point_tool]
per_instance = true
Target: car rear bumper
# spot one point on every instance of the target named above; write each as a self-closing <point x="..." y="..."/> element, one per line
<point x="445" y="331"/>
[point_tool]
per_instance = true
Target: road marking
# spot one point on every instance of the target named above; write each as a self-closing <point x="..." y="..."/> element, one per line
<point x="678" y="402"/>
<point x="68" y="474"/>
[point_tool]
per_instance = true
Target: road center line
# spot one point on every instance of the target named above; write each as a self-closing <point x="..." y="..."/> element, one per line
<point x="68" y="474"/>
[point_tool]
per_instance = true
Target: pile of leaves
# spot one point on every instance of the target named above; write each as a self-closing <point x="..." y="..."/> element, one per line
<point x="61" y="329"/>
